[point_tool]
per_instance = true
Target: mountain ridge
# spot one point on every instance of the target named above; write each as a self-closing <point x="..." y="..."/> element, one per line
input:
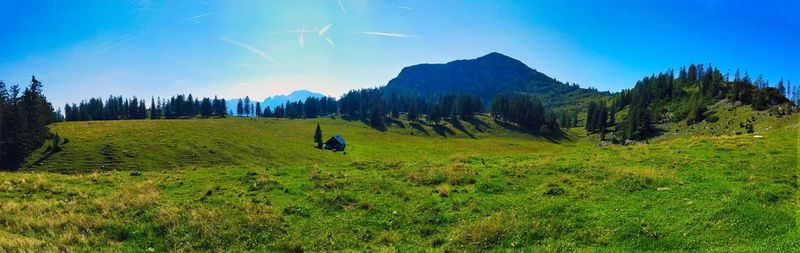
<point x="273" y="101"/>
<point x="485" y="77"/>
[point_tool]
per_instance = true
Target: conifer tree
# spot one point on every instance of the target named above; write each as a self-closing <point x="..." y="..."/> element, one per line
<point x="318" y="136"/>
<point x="153" y="109"/>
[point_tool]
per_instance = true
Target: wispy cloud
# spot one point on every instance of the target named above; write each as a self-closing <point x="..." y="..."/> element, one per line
<point x="197" y="18"/>
<point x="105" y="46"/>
<point x="329" y="40"/>
<point x="342" y="6"/>
<point x="324" y="30"/>
<point x="394" y="35"/>
<point x="247" y="47"/>
<point x="300" y="38"/>
<point x="405" y="7"/>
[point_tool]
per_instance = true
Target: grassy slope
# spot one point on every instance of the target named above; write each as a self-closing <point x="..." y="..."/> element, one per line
<point x="157" y="145"/>
<point x="398" y="191"/>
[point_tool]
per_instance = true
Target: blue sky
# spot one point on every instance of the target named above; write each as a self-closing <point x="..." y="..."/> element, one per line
<point x="82" y="49"/>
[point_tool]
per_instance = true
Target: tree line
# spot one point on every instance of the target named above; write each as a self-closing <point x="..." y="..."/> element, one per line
<point x="665" y="97"/>
<point x="119" y="108"/>
<point x="375" y="104"/>
<point x="23" y="122"/>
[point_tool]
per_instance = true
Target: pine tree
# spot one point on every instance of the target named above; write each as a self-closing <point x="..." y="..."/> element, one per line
<point x="601" y="122"/>
<point x="318" y="136"/>
<point x="590" y="117"/>
<point x="153" y="109"/>
<point x="240" y="108"/>
<point x="696" y="109"/>
<point x="267" y="112"/>
<point x="206" y="108"/>
<point x="759" y="101"/>
<point x="23" y="121"/>
<point x="412" y="112"/>
<point x="258" y="109"/>
<point x="376" y="117"/>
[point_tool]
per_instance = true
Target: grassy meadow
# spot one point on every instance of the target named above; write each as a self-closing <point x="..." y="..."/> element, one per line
<point x="239" y="184"/>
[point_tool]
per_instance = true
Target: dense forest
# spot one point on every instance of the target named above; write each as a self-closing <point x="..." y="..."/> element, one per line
<point x="117" y="107"/>
<point x="23" y="121"/>
<point x="667" y="98"/>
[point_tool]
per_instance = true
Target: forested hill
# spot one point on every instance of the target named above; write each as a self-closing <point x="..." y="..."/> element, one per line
<point x="486" y="77"/>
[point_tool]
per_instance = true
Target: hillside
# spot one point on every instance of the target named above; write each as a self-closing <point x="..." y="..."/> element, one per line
<point x="487" y="76"/>
<point x="168" y="144"/>
<point x="267" y="189"/>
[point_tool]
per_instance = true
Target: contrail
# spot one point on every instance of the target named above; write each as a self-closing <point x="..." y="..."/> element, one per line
<point x="329" y="40"/>
<point x="199" y="16"/>
<point x="395" y="35"/>
<point x="324" y="30"/>
<point x="405" y="8"/>
<point x="340" y="5"/>
<point x="250" y="48"/>
<point x="125" y="38"/>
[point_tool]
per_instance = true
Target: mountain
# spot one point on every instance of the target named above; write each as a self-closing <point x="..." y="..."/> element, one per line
<point x="486" y="77"/>
<point x="276" y="100"/>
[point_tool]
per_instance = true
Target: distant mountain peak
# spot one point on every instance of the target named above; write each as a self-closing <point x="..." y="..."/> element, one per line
<point x="485" y="77"/>
<point x="276" y="100"/>
<point x="301" y="92"/>
<point x="496" y="55"/>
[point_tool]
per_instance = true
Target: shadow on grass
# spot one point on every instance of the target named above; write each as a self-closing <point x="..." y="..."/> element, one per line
<point x="478" y="124"/>
<point x="419" y="127"/>
<point x="457" y="124"/>
<point x="396" y="122"/>
<point x="380" y="126"/>
<point x="553" y="135"/>
<point x="442" y="130"/>
<point x="50" y="152"/>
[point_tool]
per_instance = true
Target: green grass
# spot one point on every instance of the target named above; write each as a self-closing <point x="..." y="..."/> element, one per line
<point x="401" y="190"/>
<point x="165" y="144"/>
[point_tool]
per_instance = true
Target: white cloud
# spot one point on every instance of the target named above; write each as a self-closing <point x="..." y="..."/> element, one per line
<point x="247" y="47"/>
<point x="324" y="30"/>
<point x="329" y="40"/>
